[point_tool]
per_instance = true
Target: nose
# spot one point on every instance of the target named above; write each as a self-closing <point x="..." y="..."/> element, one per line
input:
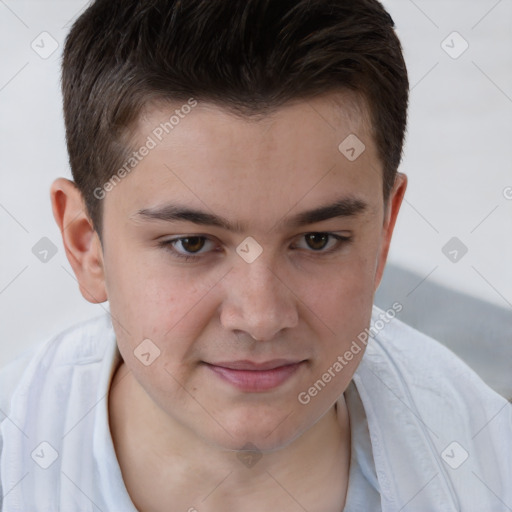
<point x="258" y="301"/>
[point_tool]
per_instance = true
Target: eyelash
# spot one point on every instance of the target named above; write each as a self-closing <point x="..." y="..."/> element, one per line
<point x="169" y="245"/>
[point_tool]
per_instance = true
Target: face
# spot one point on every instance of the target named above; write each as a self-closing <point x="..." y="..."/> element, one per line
<point x="241" y="257"/>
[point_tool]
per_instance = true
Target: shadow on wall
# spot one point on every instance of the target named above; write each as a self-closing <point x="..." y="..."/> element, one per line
<point x="480" y="333"/>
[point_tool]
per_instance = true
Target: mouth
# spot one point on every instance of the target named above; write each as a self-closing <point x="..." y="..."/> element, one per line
<point x="250" y="376"/>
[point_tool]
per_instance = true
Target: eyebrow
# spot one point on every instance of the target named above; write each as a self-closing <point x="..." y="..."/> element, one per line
<point x="343" y="207"/>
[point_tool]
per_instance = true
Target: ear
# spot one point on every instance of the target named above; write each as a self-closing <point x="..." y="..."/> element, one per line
<point x="81" y="242"/>
<point x="393" y="207"/>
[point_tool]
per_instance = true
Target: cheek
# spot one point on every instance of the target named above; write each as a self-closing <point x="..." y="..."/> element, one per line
<point x="342" y="300"/>
<point x="344" y="293"/>
<point x="151" y="294"/>
<point x="168" y="306"/>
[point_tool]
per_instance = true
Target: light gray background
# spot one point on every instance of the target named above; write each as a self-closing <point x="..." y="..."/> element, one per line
<point x="458" y="158"/>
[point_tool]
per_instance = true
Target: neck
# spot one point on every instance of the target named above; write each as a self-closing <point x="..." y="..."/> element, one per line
<point x="169" y="464"/>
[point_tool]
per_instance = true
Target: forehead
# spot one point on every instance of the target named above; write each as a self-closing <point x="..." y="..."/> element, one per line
<point x="337" y="111"/>
<point x="207" y="155"/>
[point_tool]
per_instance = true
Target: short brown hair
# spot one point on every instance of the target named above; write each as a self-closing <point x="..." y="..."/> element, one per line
<point x="247" y="55"/>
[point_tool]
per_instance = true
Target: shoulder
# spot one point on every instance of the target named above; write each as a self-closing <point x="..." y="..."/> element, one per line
<point x="57" y="394"/>
<point x="424" y="403"/>
<point x="428" y="370"/>
<point x="10" y="375"/>
<point x="80" y="343"/>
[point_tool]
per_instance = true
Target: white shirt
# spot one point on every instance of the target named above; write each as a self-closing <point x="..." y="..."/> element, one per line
<point x="427" y="434"/>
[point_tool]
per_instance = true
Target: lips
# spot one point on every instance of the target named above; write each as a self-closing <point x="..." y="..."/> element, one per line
<point x="250" y="376"/>
<point x="253" y="366"/>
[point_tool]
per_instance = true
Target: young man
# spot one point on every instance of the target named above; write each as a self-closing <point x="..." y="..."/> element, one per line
<point x="234" y="196"/>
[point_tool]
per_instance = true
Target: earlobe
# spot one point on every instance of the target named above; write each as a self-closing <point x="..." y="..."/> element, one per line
<point x="394" y="202"/>
<point x="81" y="242"/>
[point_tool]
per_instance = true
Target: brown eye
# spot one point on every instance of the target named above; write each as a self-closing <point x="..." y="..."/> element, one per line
<point x="189" y="248"/>
<point x="317" y="241"/>
<point x="322" y="242"/>
<point x="192" y="244"/>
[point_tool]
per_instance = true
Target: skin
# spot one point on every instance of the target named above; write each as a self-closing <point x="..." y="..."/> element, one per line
<point x="294" y="302"/>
